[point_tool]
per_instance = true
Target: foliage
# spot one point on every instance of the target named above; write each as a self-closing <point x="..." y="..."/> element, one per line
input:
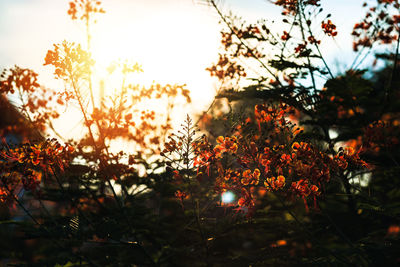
<point x="302" y="170"/>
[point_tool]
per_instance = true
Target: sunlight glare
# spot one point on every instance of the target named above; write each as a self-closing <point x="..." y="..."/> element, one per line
<point x="173" y="43"/>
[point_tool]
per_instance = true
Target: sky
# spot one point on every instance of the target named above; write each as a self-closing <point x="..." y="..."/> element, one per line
<point x="174" y="40"/>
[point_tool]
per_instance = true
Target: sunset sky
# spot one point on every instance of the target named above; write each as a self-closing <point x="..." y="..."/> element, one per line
<point x="174" y="40"/>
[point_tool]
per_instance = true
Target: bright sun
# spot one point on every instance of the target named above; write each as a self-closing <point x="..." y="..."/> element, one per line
<point x="173" y="42"/>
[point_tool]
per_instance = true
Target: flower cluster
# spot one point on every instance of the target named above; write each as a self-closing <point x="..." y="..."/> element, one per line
<point x="226" y="68"/>
<point x="380" y="25"/>
<point x="24" y="165"/>
<point x="273" y="183"/>
<point x="329" y="28"/>
<point x="291" y="6"/>
<point x="43" y="154"/>
<point x="272" y="160"/>
<point x="70" y="61"/>
<point x="312" y="40"/>
<point x="85" y="7"/>
<point x="270" y="114"/>
<point x="37" y="103"/>
<point x="300" y="48"/>
<point x="225" y="145"/>
<point x="285" y="36"/>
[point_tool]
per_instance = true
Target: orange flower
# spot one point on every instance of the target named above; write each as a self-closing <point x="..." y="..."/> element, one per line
<point x="295" y="146"/>
<point x="269" y="182"/>
<point x="285" y="158"/>
<point x="3" y="195"/>
<point x="349" y="151"/>
<point x="279" y="243"/>
<point x="181" y="195"/>
<point x="241" y="202"/>
<point x="275" y="183"/>
<point x="227" y="144"/>
<point x="393" y="230"/>
<point x="246" y="177"/>
<point x="280" y="181"/>
<point x="286" y="36"/>
<point x="251" y="178"/>
<point x="314" y="190"/>
<point x="329" y="28"/>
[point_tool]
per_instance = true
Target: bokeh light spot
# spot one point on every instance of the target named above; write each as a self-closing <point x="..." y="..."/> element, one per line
<point x="228" y="197"/>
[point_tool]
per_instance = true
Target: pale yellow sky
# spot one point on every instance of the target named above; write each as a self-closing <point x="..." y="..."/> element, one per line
<point x="174" y="40"/>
